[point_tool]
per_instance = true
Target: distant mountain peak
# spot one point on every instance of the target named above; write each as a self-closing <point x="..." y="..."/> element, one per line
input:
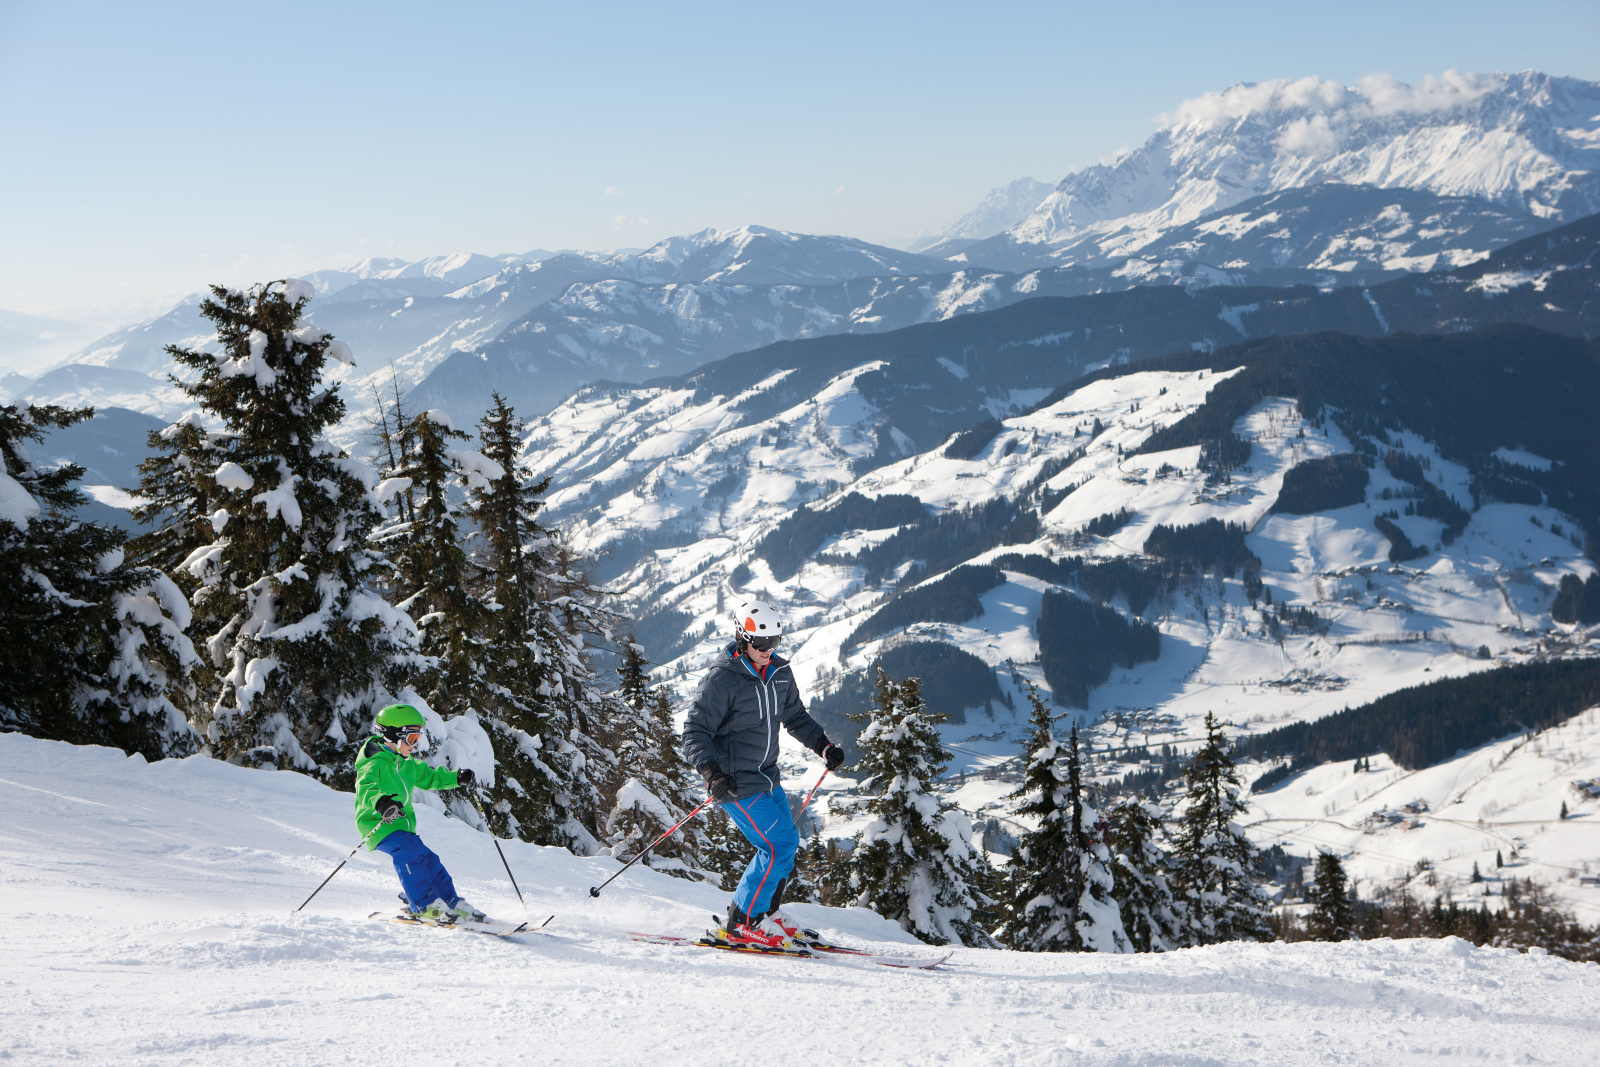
<point x="1527" y="143"/>
<point x="1003" y="207"/>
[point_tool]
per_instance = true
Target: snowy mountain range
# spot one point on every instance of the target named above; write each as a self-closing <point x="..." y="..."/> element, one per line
<point x="1528" y="143"/>
<point x="1305" y="182"/>
<point x="698" y="490"/>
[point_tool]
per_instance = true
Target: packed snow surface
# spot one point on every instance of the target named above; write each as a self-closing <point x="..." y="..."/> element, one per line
<point x="153" y="921"/>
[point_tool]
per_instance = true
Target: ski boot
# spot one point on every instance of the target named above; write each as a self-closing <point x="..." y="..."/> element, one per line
<point x="439" y="913"/>
<point x="801" y="935"/>
<point x="467" y="912"/>
<point x="745" y="931"/>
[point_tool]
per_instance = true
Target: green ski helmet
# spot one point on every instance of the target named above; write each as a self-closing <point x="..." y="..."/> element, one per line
<point x="398" y="720"/>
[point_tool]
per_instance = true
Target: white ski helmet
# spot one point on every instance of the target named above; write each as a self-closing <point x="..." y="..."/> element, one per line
<point x="757" y="623"/>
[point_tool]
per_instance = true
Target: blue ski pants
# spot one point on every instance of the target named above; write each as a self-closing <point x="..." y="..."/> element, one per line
<point x="765" y="821"/>
<point x="422" y="876"/>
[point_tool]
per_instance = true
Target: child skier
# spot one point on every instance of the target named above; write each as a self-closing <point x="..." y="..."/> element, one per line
<point x="386" y="773"/>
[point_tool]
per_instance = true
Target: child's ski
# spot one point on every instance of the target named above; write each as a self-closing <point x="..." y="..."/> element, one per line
<point x="810" y="953"/>
<point x="497" y="929"/>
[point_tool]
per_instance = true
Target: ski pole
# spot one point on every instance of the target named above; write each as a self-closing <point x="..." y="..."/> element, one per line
<point x="339" y="868"/>
<point x="812" y="793"/>
<point x="594" y="890"/>
<point x="498" y="849"/>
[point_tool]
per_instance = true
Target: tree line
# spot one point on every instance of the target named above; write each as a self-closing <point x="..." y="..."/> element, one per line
<point x="1422" y="725"/>
<point x="285" y="591"/>
<point x="1091" y="877"/>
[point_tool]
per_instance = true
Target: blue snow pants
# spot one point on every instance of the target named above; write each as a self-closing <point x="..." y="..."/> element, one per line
<point x="422" y="876"/>
<point x="765" y="821"/>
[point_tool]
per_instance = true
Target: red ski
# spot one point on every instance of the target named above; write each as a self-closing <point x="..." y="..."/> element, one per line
<point x="811" y="952"/>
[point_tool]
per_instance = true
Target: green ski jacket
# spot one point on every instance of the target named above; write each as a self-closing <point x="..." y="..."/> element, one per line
<point x="381" y="771"/>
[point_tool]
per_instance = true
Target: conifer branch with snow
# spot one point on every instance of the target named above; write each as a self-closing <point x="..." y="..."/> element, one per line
<point x="915" y="862"/>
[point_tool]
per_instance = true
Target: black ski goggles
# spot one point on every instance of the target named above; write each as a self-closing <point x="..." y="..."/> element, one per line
<point x="762" y="644"/>
<point x="403" y="735"/>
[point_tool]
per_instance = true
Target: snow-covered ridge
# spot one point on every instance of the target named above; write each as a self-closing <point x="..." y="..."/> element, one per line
<point x="698" y="481"/>
<point x="153" y="915"/>
<point x="1528" y="142"/>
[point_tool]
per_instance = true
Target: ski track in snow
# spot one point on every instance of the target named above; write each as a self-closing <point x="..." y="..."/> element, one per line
<point x="152" y="923"/>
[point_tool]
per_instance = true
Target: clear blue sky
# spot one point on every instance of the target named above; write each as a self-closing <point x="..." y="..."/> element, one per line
<point x="154" y="147"/>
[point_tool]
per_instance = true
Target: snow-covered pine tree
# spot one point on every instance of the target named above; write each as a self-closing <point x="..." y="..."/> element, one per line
<point x="1217" y="862"/>
<point x="534" y="667"/>
<point x="437" y="583"/>
<point x="824" y="867"/>
<point x="657" y="791"/>
<point x="92" y="648"/>
<point x="1046" y="879"/>
<point x="915" y="862"/>
<point x="305" y="649"/>
<point x="1143" y="874"/>
<point x="1332" y="917"/>
<point x="1062" y="886"/>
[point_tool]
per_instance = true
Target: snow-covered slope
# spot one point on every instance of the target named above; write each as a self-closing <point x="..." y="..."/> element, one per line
<point x="1434" y="826"/>
<point x="1528" y="142"/>
<point x="681" y="485"/>
<point x="152" y="917"/>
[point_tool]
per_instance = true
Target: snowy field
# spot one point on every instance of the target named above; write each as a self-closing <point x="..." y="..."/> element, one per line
<point x="155" y="906"/>
<point x="1500" y="802"/>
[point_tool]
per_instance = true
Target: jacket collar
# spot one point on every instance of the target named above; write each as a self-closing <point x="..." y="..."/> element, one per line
<point x="727" y="660"/>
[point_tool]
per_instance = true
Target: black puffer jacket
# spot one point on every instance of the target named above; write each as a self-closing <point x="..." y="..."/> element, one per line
<point x="734" y="721"/>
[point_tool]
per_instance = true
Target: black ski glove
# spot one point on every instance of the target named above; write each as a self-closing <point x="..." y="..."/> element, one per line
<point x="389" y="808"/>
<point x="465" y="778"/>
<point x="832" y="755"/>
<point x="720" y="784"/>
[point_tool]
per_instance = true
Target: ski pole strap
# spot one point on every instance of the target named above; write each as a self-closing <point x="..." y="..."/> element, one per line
<point x="594" y="891"/>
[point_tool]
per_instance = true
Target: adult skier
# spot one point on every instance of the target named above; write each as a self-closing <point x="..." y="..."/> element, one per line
<point x="731" y="739"/>
<point x="386" y="773"/>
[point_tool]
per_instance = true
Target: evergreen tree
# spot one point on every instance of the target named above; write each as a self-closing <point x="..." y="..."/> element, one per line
<point x="92" y="649"/>
<point x="657" y="790"/>
<point x="915" y="862"/>
<point x="305" y="649"/>
<point x="1047" y="880"/>
<point x="1143" y="874"/>
<point x="435" y="581"/>
<point x="1217" y="862"/>
<point x="1062" y="898"/>
<point x="810" y="871"/>
<point x="1332" y="915"/>
<point x="536" y="673"/>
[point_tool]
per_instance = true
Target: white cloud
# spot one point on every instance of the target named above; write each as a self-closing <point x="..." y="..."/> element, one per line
<point x="613" y="191"/>
<point x="839" y="190"/>
<point x="1373" y="95"/>
<point x="1312" y="137"/>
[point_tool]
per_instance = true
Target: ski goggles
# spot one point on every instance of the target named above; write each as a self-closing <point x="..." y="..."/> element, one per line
<point x="411" y="736"/>
<point x="763" y="644"/>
